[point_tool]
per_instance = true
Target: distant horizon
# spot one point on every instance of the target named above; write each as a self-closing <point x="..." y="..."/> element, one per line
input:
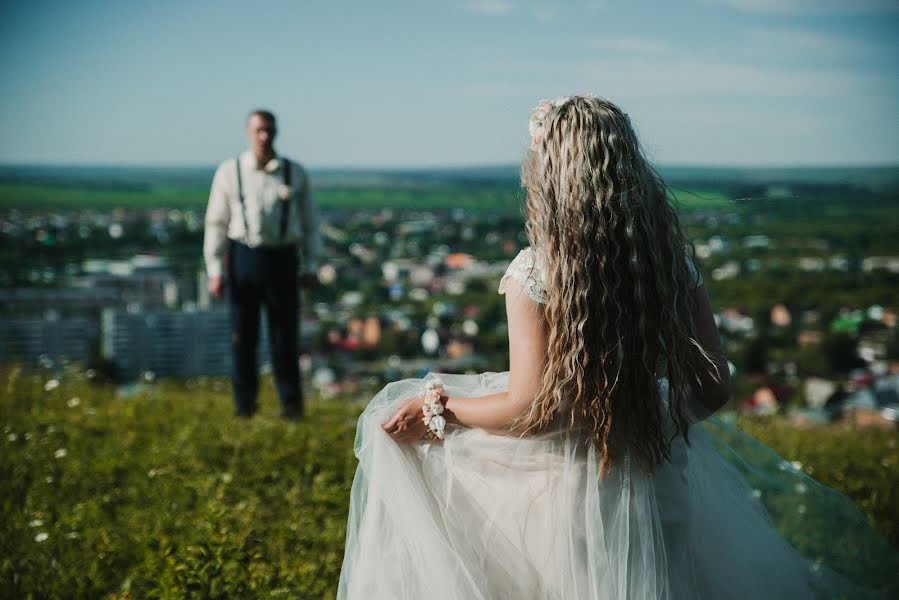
<point x="441" y="167"/>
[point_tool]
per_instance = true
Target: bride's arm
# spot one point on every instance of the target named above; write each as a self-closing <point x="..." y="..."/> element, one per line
<point x="712" y="391"/>
<point x="528" y="343"/>
<point x="495" y="413"/>
<point x="527" y="357"/>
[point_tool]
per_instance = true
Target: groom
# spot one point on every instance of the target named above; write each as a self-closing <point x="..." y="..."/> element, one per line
<point x="260" y="222"/>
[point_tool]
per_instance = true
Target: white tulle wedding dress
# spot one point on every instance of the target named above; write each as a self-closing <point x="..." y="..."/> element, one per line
<point x="487" y="517"/>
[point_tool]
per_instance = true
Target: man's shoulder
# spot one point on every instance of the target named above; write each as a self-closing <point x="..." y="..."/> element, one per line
<point x="294" y="164"/>
<point x="296" y="168"/>
<point x="227" y="165"/>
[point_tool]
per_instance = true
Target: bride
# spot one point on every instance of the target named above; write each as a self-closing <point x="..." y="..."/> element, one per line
<point x="591" y="469"/>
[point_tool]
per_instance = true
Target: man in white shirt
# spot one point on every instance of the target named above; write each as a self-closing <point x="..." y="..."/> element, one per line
<point x="260" y="216"/>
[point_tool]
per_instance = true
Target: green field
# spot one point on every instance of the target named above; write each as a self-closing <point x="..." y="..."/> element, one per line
<point x="700" y="198"/>
<point x="162" y="494"/>
<point x="26" y="195"/>
<point x="472" y="196"/>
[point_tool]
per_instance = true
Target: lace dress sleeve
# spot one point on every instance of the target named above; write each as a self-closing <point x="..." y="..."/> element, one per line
<point x="525" y="271"/>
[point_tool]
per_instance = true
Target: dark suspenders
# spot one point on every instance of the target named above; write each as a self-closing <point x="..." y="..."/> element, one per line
<point x="285" y="204"/>
<point x="282" y="225"/>
<point x="243" y="208"/>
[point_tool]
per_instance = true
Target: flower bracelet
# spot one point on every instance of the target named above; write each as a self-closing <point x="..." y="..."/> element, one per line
<point x="433" y="409"/>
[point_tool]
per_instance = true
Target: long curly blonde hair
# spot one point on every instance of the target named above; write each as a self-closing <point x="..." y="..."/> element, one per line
<point x="620" y="308"/>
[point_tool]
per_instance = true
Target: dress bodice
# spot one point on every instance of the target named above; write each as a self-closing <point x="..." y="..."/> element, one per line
<point x="527" y="269"/>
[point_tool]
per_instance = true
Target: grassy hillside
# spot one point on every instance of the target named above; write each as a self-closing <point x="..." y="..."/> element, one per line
<point x="162" y="494"/>
<point x="165" y="495"/>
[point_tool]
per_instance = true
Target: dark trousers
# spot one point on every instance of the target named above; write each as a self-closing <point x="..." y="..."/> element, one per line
<point x="266" y="277"/>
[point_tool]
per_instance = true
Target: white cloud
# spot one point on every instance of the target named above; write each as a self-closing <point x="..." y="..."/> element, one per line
<point x="490" y="90"/>
<point x="693" y="78"/>
<point x="807" y="43"/>
<point x="809" y="7"/>
<point x="547" y="13"/>
<point x="629" y="45"/>
<point x="542" y="11"/>
<point x="491" y="8"/>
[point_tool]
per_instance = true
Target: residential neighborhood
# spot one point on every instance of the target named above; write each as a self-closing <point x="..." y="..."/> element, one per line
<point x="409" y="291"/>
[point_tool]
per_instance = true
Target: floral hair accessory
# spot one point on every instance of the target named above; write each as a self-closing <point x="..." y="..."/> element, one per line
<point x="433" y="409"/>
<point x="537" y="123"/>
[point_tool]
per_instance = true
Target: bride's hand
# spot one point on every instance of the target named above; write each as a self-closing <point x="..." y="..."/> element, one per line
<point x="406" y="424"/>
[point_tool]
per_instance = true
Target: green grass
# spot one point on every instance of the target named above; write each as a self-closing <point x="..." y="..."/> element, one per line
<point x="441" y="196"/>
<point x="164" y="494"/>
<point x="470" y="197"/>
<point x="861" y="463"/>
<point x="700" y="199"/>
<point x="465" y="196"/>
<point x="19" y="195"/>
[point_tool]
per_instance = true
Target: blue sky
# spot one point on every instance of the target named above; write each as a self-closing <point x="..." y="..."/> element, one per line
<point x="447" y="83"/>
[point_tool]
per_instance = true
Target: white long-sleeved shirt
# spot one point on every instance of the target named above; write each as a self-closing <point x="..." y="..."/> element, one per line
<point x="262" y="206"/>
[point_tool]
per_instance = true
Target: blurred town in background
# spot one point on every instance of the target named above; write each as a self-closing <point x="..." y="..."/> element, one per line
<point x="102" y="271"/>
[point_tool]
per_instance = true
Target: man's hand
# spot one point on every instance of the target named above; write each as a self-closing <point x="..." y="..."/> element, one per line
<point x="216" y="286"/>
<point x="309" y="280"/>
<point x="406" y="424"/>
